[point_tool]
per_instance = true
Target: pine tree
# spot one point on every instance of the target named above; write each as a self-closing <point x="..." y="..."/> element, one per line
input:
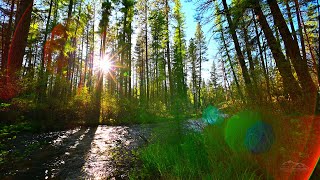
<point x="213" y="76"/>
<point x="192" y="56"/>
<point x="201" y="50"/>
<point x="179" y="53"/>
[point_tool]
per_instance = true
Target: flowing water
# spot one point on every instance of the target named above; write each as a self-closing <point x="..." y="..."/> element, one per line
<point x="102" y="152"/>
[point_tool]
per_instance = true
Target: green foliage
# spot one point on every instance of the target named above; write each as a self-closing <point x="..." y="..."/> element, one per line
<point x="172" y="154"/>
<point x="9" y="133"/>
<point x="79" y="107"/>
<point x="106" y="12"/>
<point x="179" y="53"/>
<point x="110" y="107"/>
<point x="16" y="110"/>
<point x="34" y="32"/>
<point x="4" y="105"/>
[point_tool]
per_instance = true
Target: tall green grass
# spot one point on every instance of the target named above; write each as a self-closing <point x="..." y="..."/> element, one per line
<point x="175" y="153"/>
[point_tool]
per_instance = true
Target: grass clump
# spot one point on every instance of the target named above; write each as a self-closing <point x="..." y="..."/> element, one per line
<point x="175" y="153"/>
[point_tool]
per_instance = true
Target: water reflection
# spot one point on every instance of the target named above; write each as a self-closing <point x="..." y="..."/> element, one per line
<point x="100" y="161"/>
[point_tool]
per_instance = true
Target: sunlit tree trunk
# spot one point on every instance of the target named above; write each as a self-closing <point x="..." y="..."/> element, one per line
<point x="19" y="40"/>
<point x="43" y="78"/>
<point x="6" y="37"/>
<point x="70" y="7"/>
<point x="87" y="58"/>
<point x="146" y="49"/>
<point x="167" y="9"/>
<point x="130" y="94"/>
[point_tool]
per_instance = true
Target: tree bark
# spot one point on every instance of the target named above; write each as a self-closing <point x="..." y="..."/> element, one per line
<point x="130" y="94"/>
<point x="304" y="55"/>
<point x="146" y="43"/>
<point x="248" y="50"/>
<point x="231" y="65"/>
<point x="240" y="56"/>
<point x="293" y="50"/>
<point x="168" y="49"/>
<point x="43" y="78"/>
<point x="7" y="38"/>
<point x="290" y="19"/>
<point x="19" y="40"/>
<point x="261" y="58"/>
<point x="291" y="86"/>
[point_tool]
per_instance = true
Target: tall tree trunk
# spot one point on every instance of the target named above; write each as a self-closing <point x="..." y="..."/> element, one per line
<point x="87" y="58"/>
<point x="70" y="7"/>
<point x="231" y="65"/>
<point x="225" y="79"/>
<point x="168" y="48"/>
<point x="263" y="63"/>
<point x="146" y="41"/>
<point x="19" y="40"/>
<point x="291" y="86"/>
<point x="81" y="63"/>
<point x="242" y="63"/>
<point x="3" y="61"/>
<point x="290" y="20"/>
<point x="304" y="55"/>
<point x="72" y="59"/>
<point x="165" y="82"/>
<point x="43" y="78"/>
<point x="90" y="84"/>
<point x="307" y="39"/>
<point x="199" y="85"/>
<point x="129" y="61"/>
<point x="249" y="54"/>
<point x="194" y="84"/>
<point x="317" y="108"/>
<point x="6" y="40"/>
<point x="301" y="67"/>
<point x="318" y="45"/>
<point x="142" y="78"/>
<point x="58" y="90"/>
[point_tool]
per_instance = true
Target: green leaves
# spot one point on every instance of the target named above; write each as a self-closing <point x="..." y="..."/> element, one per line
<point x="4" y="105"/>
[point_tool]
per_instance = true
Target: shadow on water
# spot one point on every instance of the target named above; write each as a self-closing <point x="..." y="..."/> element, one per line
<point x="56" y="160"/>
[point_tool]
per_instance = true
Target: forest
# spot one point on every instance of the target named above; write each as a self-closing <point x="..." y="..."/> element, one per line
<point x="164" y="89"/>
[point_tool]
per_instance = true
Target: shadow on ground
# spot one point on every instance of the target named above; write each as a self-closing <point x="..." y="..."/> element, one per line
<point x="82" y="153"/>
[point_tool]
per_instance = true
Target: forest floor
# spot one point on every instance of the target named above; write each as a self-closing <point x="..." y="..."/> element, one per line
<point x="81" y="153"/>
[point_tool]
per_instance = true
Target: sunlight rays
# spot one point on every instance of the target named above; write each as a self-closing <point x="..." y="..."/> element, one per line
<point x="108" y="65"/>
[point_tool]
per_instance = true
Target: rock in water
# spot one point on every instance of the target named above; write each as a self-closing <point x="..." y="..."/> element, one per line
<point x="212" y="115"/>
<point x="259" y="137"/>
